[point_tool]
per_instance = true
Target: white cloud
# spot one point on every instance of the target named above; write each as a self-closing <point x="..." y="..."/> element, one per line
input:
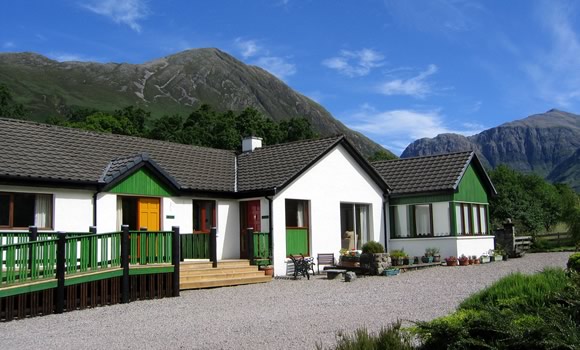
<point x="416" y="86"/>
<point x="355" y="63"/>
<point x="8" y="45"/>
<point x="128" y="12"/>
<point x="277" y="66"/>
<point x="397" y="128"/>
<point x="68" y="57"/>
<point x="249" y="48"/>
<point x="554" y="73"/>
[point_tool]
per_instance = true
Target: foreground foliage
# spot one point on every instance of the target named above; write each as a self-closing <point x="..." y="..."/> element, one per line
<point x="540" y="311"/>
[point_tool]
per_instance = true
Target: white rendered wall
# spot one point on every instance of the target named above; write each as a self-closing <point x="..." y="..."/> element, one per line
<point x="177" y="211"/>
<point x="441" y="219"/>
<point x="72" y="209"/>
<point x="448" y="246"/>
<point x="334" y="179"/>
<point x="107" y="212"/>
<point x="474" y="245"/>
<point x="228" y="229"/>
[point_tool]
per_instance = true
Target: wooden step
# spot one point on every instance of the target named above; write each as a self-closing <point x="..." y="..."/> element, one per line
<point x="217" y="271"/>
<point x="221" y="276"/>
<point x="223" y="282"/>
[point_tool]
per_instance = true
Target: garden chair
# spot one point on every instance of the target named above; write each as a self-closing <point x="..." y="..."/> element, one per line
<point x="325" y="259"/>
<point x="302" y="265"/>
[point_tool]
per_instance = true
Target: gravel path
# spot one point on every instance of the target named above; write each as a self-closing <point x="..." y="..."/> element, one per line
<point x="282" y="314"/>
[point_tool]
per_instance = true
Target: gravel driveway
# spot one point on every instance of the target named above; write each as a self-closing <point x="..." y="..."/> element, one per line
<point x="282" y="314"/>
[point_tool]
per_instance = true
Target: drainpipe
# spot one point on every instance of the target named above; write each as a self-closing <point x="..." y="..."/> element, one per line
<point x="271" y="222"/>
<point x="95" y="208"/>
<point x="385" y="222"/>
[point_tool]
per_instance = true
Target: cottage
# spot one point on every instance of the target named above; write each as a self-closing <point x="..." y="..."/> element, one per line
<point x="306" y="195"/>
<point x="439" y="201"/>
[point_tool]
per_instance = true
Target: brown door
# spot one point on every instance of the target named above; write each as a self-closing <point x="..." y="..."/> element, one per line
<point x="249" y="217"/>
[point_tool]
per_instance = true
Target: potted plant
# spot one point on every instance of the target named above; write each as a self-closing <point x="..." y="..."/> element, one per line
<point x="475" y="259"/>
<point x="498" y="254"/>
<point x="451" y="261"/>
<point x="374" y="258"/>
<point x="435" y="253"/>
<point x="408" y="260"/>
<point x="485" y="258"/>
<point x="268" y="270"/>
<point x="392" y="271"/>
<point x="397" y="257"/>
<point x="350" y="258"/>
<point x="428" y="257"/>
<point x="463" y="260"/>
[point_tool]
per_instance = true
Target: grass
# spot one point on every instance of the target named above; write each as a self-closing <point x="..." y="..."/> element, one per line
<point x="391" y="337"/>
<point x="519" y="292"/>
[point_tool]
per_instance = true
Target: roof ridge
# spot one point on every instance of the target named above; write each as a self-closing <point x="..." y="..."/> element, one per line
<point x="94" y="132"/>
<point x="336" y="136"/>
<point x="422" y="157"/>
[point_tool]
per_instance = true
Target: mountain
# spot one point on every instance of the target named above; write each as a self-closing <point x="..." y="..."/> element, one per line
<point x="173" y="84"/>
<point x="547" y="144"/>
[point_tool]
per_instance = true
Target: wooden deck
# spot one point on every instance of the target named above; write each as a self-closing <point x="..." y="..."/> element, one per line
<point x="201" y="274"/>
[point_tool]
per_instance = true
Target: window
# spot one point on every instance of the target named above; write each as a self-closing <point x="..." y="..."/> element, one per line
<point x="204" y="217"/>
<point x="20" y="210"/>
<point x="297" y="223"/>
<point x="471" y="219"/>
<point x="355" y="225"/>
<point x="423" y="220"/>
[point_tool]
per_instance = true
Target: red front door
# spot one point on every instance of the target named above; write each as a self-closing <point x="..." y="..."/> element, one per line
<point x="249" y="217"/>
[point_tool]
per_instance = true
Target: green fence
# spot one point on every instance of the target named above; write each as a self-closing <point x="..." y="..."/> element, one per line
<point x="262" y="249"/>
<point x="194" y="245"/>
<point x="27" y="261"/>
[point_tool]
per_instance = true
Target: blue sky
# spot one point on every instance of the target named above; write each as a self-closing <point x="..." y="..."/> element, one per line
<point x="396" y="70"/>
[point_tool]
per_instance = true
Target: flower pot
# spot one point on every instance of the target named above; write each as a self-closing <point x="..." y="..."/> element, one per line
<point x="268" y="270"/>
<point x="436" y="258"/>
<point x="476" y="261"/>
<point x="350" y="263"/>
<point x="391" y="272"/>
<point x="498" y="258"/>
<point x="395" y="262"/>
<point x="463" y="262"/>
<point x="426" y="259"/>
<point x="485" y="259"/>
<point x="451" y="262"/>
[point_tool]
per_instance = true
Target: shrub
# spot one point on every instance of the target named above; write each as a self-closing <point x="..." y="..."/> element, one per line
<point x="398" y="254"/>
<point x="574" y="263"/>
<point x="519" y="292"/>
<point x="391" y="337"/>
<point x="373" y="247"/>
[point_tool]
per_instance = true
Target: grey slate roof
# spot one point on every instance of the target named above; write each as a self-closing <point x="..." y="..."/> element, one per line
<point x="31" y="150"/>
<point x="275" y="165"/>
<point x="429" y="173"/>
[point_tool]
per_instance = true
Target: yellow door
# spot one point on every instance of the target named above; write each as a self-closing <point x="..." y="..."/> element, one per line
<point x="149" y="213"/>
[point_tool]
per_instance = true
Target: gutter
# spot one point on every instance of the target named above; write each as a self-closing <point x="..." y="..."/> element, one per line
<point x="385" y="221"/>
<point x="95" y="208"/>
<point x="271" y="223"/>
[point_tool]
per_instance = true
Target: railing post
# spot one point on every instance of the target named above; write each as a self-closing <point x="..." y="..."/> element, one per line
<point x="125" y="264"/>
<point x="176" y="245"/>
<point x="60" y="270"/>
<point x="250" y="243"/>
<point x="32" y="237"/>
<point x="92" y="254"/>
<point x="213" y="246"/>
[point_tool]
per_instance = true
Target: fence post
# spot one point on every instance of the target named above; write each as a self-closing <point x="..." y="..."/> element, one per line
<point x="32" y="237"/>
<point x="92" y="254"/>
<point x="176" y="245"/>
<point x="213" y="246"/>
<point x="250" y="243"/>
<point x="60" y="269"/>
<point x="125" y="264"/>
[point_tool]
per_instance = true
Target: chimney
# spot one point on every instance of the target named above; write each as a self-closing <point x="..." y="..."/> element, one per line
<point x="250" y="143"/>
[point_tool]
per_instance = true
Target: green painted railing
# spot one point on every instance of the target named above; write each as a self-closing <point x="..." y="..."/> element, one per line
<point x="91" y="252"/>
<point x="27" y="261"/>
<point x="150" y="247"/>
<point x="262" y="249"/>
<point x="194" y="245"/>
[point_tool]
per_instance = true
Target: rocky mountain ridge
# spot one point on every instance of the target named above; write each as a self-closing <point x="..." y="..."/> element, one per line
<point x="547" y="144"/>
<point x="174" y="84"/>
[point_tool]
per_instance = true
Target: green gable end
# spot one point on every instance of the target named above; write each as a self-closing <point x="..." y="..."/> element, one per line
<point x="470" y="188"/>
<point x="142" y="182"/>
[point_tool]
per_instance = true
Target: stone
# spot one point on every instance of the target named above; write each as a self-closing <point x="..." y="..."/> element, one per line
<point x="349" y="276"/>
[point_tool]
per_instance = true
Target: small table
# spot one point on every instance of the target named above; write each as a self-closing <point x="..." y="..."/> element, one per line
<point x="333" y="273"/>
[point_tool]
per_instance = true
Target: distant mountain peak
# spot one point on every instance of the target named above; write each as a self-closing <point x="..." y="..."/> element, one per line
<point x="547" y="144"/>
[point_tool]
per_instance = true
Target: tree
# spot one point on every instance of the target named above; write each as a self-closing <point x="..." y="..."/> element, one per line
<point x="381" y="155"/>
<point x="296" y="129"/>
<point x="167" y="128"/>
<point x="8" y="107"/>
